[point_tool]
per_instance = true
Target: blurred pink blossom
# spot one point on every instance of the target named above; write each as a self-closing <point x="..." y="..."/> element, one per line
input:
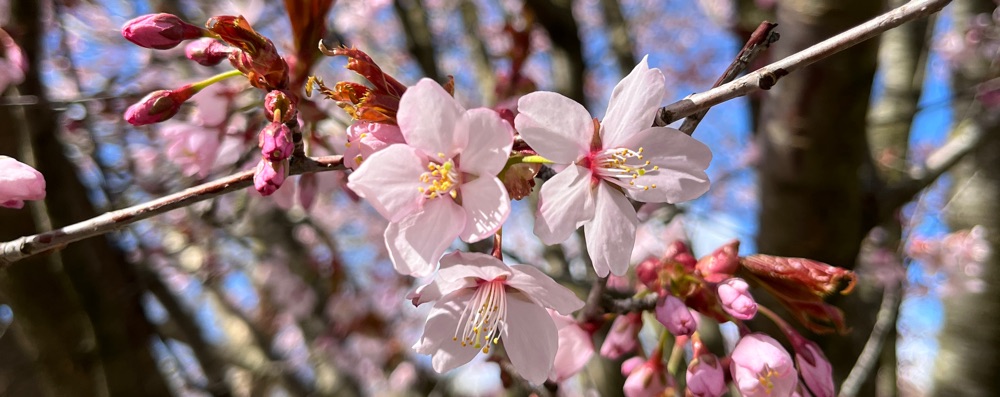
<point x="623" y="336"/>
<point x="649" y="379"/>
<point x="705" y="377"/>
<point x="194" y="149"/>
<point x="673" y="314"/>
<point x="19" y="182"/>
<point x="762" y="368"/>
<point x="576" y="347"/>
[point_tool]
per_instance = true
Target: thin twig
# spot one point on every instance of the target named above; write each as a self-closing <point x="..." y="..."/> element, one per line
<point x="766" y="77"/>
<point x="24" y="247"/>
<point x="760" y="40"/>
<point x="868" y="359"/>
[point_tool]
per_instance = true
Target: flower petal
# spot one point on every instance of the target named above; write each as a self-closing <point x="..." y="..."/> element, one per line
<point x="390" y="181"/>
<point x="486" y="207"/>
<point x="439" y="330"/>
<point x="564" y="203"/>
<point x="543" y="289"/>
<point x="416" y="242"/>
<point x="611" y="235"/>
<point x="633" y="104"/>
<point x="437" y="288"/>
<point x="462" y="265"/>
<point x="490" y="140"/>
<point x="557" y="127"/>
<point x="682" y="161"/>
<point x="427" y="117"/>
<point x="531" y="339"/>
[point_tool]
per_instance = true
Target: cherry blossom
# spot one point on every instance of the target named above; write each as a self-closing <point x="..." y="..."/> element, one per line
<point x="364" y="138"/>
<point x="19" y="182"/>
<point x="761" y="367"/>
<point x="441" y="184"/>
<point x="575" y="348"/>
<point x="479" y="301"/>
<point x="622" y="158"/>
<point x="705" y="377"/>
<point x="673" y="314"/>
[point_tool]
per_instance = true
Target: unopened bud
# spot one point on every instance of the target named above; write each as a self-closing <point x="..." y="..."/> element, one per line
<point x="705" y="377"/>
<point x="277" y="102"/>
<point x="673" y="314"/>
<point x="721" y="264"/>
<point x="734" y="293"/>
<point x="207" y="51"/>
<point x="158" y="106"/>
<point x="648" y="273"/>
<point x="679" y="252"/>
<point x="813" y="365"/>
<point x="159" y="31"/>
<point x="275" y="142"/>
<point x="269" y="176"/>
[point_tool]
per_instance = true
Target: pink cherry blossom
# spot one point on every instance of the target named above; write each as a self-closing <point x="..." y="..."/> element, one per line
<point x="705" y="377"/>
<point x="479" y="301"/>
<point x="625" y="158"/>
<point x="817" y="373"/>
<point x="19" y="182"/>
<point x="441" y="184"/>
<point x="673" y="314"/>
<point x="365" y="138"/>
<point x="761" y="367"/>
<point x="576" y="347"/>
<point x="623" y="336"/>
<point x="194" y="149"/>
<point x="648" y="380"/>
<point x="736" y="299"/>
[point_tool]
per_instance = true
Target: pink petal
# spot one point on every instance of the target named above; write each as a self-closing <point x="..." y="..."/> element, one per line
<point x="390" y="181"/>
<point x="459" y="265"/>
<point x="486" y="207"/>
<point x="490" y="140"/>
<point x="543" y="289"/>
<point x="565" y="202"/>
<point x="575" y="348"/>
<point x="439" y="330"/>
<point x="19" y="182"/>
<point x="633" y="104"/>
<point x="531" y="338"/>
<point x="611" y="234"/>
<point x="427" y="117"/>
<point x="682" y="161"/>
<point x="557" y="127"/>
<point x="416" y="242"/>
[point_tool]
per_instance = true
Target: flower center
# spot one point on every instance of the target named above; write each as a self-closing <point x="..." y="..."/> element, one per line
<point x="441" y="179"/>
<point x="485" y="317"/>
<point x="620" y="165"/>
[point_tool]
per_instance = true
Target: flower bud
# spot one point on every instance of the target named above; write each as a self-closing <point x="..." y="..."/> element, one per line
<point x="275" y="142"/>
<point x="207" y="51"/>
<point x="815" y="368"/>
<point x="673" y="314"/>
<point x="761" y="367"/>
<point x="621" y="338"/>
<point x="734" y="293"/>
<point x="158" y="106"/>
<point x="648" y="273"/>
<point x="721" y="264"/>
<point x="679" y="252"/>
<point x="269" y="176"/>
<point x="19" y="182"/>
<point x="159" y="31"/>
<point x="277" y="102"/>
<point x="648" y="380"/>
<point x="705" y="377"/>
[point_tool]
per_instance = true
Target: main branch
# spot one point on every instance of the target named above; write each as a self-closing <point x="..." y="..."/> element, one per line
<point x="766" y="77"/>
<point x="24" y="247"/>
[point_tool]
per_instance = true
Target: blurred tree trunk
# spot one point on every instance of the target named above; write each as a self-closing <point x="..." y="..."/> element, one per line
<point x="969" y="359"/>
<point x="815" y="168"/>
<point x="80" y="308"/>
<point x="568" y="66"/>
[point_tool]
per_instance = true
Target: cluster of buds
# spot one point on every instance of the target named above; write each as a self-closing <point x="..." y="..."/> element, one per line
<point x="276" y="142"/>
<point x="251" y="54"/>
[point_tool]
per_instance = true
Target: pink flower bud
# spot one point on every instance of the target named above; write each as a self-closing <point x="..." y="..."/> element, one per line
<point x="158" y="106"/>
<point x="762" y="368"/>
<point x="734" y="293"/>
<point x="621" y="338"/>
<point x="207" y="51"/>
<point x="159" y="31"/>
<point x="19" y="182"/>
<point x="648" y="273"/>
<point x="815" y="368"/>
<point x="269" y="176"/>
<point x="275" y="142"/>
<point x="648" y="380"/>
<point x="679" y="252"/>
<point x="308" y="187"/>
<point x="278" y="101"/>
<point x="705" y="377"/>
<point x="672" y="313"/>
<point x="365" y="138"/>
<point x="721" y="264"/>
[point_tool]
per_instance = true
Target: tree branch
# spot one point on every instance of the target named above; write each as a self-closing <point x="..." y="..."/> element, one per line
<point x="766" y="77"/>
<point x="24" y="247"/>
